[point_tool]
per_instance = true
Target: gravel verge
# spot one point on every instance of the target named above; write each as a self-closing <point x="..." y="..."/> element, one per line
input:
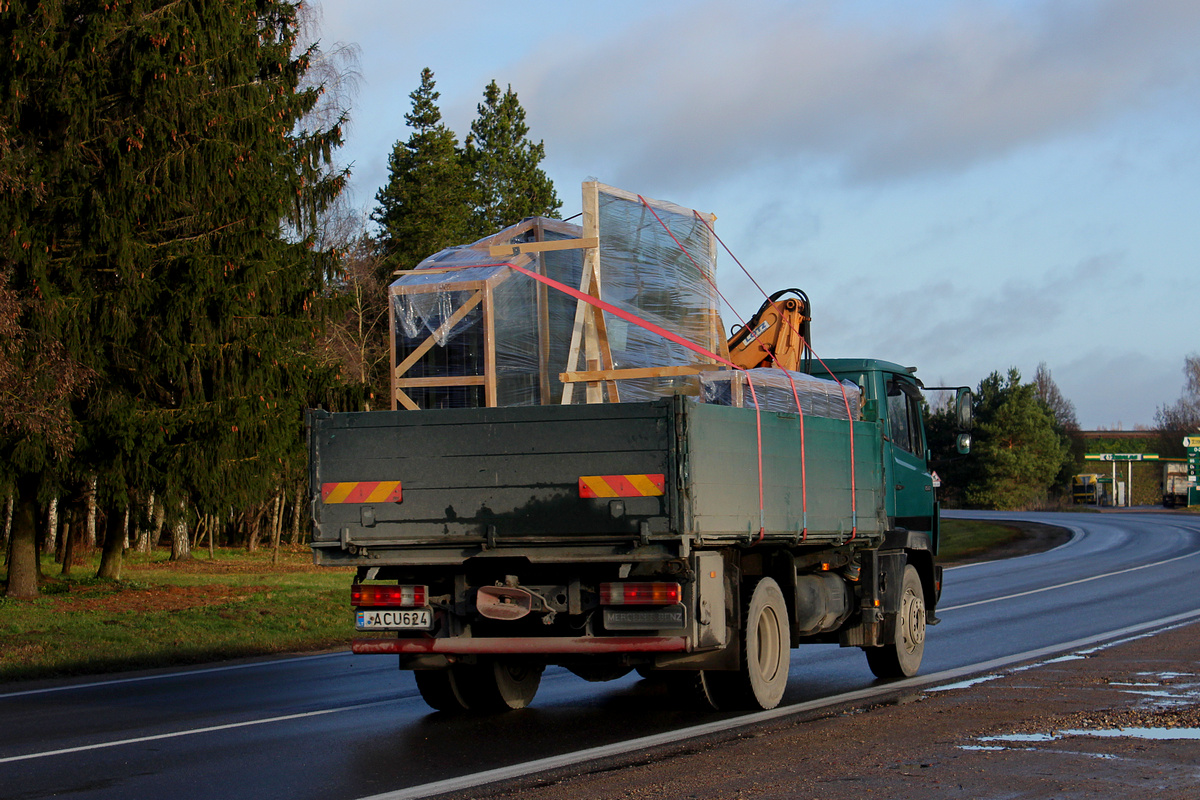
<point x="1118" y="720"/>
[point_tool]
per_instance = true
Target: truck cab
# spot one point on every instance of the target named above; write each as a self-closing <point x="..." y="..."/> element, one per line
<point x="892" y="396"/>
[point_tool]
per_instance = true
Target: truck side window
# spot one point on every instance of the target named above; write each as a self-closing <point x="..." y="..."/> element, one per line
<point x="917" y="447"/>
<point x="899" y="421"/>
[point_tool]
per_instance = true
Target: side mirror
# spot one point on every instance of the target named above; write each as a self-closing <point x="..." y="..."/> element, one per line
<point x="964" y="411"/>
<point x="963" y="444"/>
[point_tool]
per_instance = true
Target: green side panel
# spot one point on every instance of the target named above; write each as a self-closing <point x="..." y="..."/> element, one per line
<point x="806" y="474"/>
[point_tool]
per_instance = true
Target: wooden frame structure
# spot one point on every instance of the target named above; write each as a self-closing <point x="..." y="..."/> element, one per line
<point x="518" y="244"/>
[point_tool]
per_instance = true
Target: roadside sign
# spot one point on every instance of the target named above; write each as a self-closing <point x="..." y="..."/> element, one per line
<point x="1120" y="456"/>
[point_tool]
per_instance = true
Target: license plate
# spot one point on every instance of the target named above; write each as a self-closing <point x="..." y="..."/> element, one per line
<point x="395" y="619"/>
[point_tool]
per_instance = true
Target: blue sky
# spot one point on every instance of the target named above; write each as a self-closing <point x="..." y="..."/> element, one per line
<point x="960" y="186"/>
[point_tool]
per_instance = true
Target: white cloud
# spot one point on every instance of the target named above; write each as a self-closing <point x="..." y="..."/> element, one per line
<point x="729" y="86"/>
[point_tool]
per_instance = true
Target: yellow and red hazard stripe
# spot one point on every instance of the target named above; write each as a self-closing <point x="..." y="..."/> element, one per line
<point x="622" y="485"/>
<point x="361" y="492"/>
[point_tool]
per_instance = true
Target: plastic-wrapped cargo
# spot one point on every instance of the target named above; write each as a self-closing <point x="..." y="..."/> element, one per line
<point x="819" y="397"/>
<point x="658" y="261"/>
<point x="468" y="330"/>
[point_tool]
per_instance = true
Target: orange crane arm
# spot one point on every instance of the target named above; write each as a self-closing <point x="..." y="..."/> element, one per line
<point x="776" y="336"/>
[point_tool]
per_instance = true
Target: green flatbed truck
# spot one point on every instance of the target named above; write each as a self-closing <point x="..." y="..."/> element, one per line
<point x="696" y="543"/>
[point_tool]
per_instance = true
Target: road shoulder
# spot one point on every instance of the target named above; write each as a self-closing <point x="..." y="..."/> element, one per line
<point x="1103" y="722"/>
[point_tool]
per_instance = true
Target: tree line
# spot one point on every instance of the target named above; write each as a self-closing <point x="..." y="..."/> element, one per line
<point x="179" y="278"/>
<point x="1026" y="440"/>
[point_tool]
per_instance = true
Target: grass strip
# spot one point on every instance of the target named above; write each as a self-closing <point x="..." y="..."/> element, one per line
<point x="164" y="613"/>
<point x="967" y="538"/>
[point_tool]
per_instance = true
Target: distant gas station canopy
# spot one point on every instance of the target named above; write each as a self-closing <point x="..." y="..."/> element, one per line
<point x="1121" y="456"/>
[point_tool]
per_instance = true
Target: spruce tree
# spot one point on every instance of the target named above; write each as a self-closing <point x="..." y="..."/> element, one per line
<point x="427" y="202"/>
<point x="505" y="163"/>
<point x="1018" y="450"/>
<point x="165" y="136"/>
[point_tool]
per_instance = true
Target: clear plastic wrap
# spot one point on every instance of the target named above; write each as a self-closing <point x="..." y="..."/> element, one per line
<point x="644" y="270"/>
<point x="450" y="368"/>
<point x="819" y="397"/>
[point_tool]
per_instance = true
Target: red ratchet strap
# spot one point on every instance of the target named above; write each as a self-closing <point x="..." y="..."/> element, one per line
<point x="666" y="334"/>
<point x="845" y="399"/>
<point x="795" y="394"/>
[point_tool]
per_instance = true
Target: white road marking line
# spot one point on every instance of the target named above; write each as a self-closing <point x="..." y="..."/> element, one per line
<point x="1068" y="583"/>
<point x="174" y="674"/>
<point x="192" y="732"/>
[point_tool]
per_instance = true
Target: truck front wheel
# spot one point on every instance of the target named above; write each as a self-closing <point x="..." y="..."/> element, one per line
<point x="766" y="655"/>
<point x="902" y="658"/>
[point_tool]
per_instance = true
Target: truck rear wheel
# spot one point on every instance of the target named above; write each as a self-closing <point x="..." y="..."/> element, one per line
<point x="439" y="689"/>
<point x="902" y="658"/>
<point x="766" y="655"/>
<point x="499" y="684"/>
<point x="491" y="685"/>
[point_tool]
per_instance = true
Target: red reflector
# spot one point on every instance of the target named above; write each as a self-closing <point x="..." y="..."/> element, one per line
<point x="639" y="594"/>
<point x="403" y="596"/>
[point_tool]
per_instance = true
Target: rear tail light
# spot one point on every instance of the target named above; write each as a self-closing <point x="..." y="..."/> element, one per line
<point x="639" y="594"/>
<point x="402" y="596"/>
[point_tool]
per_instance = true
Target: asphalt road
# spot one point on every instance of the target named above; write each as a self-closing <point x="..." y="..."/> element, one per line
<point x="342" y="726"/>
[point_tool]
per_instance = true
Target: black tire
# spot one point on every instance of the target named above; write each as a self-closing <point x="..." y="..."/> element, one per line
<point x="766" y="655"/>
<point x="499" y="684"/>
<point x="691" y="688"/>
<point x="902" y="658"/>
<point x="439" y="689"/>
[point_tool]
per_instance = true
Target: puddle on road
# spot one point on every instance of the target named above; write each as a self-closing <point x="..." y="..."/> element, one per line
<point x="999" y="749"/>
<point x="1155" y="734"/>
<point x="1061" y="659"/>
<point x="966" y="684"/>
<point x="1166" y="690"/>
<point x="1166" y="676"/>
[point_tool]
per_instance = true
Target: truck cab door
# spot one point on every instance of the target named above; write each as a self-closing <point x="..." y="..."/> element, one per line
<point x="910" y="484"/>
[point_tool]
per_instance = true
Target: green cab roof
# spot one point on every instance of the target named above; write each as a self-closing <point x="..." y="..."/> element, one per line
<point x="847" y="365"/>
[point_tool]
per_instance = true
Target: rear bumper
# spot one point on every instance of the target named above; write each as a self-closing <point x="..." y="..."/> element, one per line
<point x="523" y="646"/>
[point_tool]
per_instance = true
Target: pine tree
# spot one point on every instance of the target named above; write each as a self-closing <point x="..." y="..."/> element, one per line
<point x="165" y="136"/>
<point x="1019" y="451"/>
<point x="428" y="200"/>
<point x="511" y="185"/>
